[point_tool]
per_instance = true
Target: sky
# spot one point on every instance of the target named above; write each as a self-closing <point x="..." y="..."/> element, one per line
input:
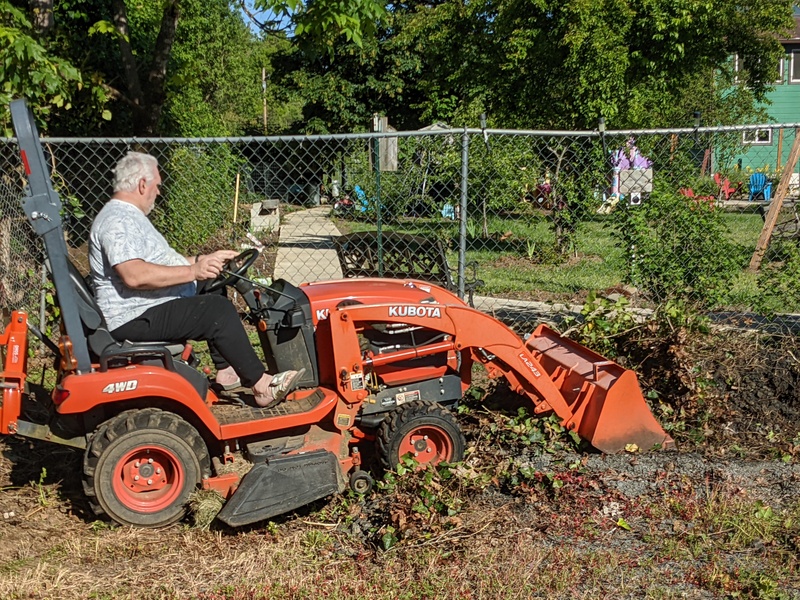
<point x="260" y="15"/>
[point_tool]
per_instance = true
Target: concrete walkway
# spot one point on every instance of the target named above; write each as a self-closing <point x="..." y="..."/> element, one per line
<point x="306" y="251"/>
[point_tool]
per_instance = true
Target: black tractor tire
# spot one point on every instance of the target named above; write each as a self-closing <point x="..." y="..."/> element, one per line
<point x="425" y="430"/>
<point x="141" y="467"/>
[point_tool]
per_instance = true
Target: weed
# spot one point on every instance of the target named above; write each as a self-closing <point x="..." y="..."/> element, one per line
<point x="530" y="247"/>
<point x="41" y="491"/>
<point x="603" y="321"/>
<point x="473" y="227"/>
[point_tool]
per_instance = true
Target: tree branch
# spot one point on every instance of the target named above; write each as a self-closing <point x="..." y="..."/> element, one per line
<point x="251" y="16"/>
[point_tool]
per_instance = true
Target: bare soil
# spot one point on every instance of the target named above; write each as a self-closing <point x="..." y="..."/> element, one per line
<point x="527" y="515"/>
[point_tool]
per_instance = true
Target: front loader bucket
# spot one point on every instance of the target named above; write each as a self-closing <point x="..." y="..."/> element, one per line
<point x="607" y="405"/>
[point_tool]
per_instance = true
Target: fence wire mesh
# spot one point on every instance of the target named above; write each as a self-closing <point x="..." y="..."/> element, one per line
<point x="543" y="218"/>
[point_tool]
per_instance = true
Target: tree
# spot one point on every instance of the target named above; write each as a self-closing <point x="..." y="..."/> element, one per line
<point x="29" y="70"/>
<point x="560" y="63"/>
<point x="352" y="18"/>
<point x="151" y="66"/>
<point x="634" y="62"/>
<point x="215" y="91"/>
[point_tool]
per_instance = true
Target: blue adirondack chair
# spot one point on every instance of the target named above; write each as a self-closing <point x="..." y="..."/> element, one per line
<point x="760" y="187"/>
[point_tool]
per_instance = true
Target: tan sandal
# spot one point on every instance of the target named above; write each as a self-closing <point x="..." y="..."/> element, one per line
<point x="279" y="387"/>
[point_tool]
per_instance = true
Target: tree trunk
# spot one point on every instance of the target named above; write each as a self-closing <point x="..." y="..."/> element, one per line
<point x="147" y="103"/>
<point x="42" y="12"/>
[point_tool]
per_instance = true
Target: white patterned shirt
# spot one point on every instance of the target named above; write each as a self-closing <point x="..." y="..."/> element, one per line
<point x="121" y="232"/>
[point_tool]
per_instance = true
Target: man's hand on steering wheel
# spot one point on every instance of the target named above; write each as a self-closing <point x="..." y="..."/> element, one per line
<point x="209" y="266"/>
<point x="235" y="267"/>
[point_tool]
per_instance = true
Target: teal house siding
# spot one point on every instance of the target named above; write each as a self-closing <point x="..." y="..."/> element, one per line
<point x="771" y="148"/>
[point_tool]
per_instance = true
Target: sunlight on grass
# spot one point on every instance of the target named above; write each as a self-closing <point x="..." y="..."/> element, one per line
<point x="517" y="257"/>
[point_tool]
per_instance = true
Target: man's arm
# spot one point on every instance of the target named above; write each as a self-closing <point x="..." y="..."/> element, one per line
<point x="138" y="274"/>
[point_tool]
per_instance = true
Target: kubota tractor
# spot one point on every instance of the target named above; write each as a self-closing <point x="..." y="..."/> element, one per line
<point x="386" y="361"/>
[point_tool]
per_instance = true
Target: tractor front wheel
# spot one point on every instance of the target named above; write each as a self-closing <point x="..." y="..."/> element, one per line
<point x="426" y="431"/>
<point x="141" y="467"/>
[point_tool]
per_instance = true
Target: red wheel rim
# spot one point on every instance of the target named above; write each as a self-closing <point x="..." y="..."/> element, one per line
<point x="427" y="445"/>
<point x="148" y="479"/>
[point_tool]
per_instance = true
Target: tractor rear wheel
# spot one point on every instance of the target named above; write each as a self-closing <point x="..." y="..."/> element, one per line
<point x="141" y="467"/>
<point x="425" y="430"/>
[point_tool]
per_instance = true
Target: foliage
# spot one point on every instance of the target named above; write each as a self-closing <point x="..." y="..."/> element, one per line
<point x="544" y="433"/>
<point x="636" y="64"/>
<point x="197" y="198"/>
<point x="29" y="70"/>
<point x="676" y="247"/>
<point x="193" y="68"/>
<point x="602" y="322"/>
<point x="779" y="278"/>
<point x="352" y="19"/>
<point x="426" y="500"/>
<point x="216" y="91"/>
<point x="181" y="67"/>
<point x="548" y="64"/>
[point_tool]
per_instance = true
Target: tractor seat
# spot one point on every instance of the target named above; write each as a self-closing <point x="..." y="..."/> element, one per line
<point x="105" y="348"/>
<point x="94" y="324"/>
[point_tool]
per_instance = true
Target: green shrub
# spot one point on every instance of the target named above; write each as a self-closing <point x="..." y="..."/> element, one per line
<point x="676" y="247"/>
<point x="198" y="195"/>
<point x="779" y="279"/>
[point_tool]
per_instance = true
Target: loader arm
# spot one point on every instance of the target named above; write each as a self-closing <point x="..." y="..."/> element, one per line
<point x="597" y="398"/>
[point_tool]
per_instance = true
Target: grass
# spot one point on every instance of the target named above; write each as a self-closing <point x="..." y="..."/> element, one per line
<point x="518" y="260"/>
<point x="723" y="545"/>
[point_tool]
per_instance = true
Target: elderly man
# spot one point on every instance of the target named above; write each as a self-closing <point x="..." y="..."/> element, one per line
<point x="148" y="292"/>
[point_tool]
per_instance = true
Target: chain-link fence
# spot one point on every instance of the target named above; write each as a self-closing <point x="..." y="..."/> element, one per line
<point x="544" y="217"/>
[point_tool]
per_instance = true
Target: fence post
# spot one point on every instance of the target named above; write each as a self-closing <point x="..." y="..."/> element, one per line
<point x="376" y="161"/>
<point x="462" y="220"/>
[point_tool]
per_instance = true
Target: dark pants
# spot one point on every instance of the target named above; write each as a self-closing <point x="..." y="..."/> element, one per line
<point x="209" y="317"/>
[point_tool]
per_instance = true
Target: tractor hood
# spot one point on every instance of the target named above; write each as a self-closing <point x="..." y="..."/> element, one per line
<point x="329" y="295"/>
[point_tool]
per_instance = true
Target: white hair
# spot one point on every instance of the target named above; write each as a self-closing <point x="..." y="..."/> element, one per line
<point x="132" y="168"/>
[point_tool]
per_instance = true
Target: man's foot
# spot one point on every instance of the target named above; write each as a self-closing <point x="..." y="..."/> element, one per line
<point x="272" y="389"/>
<point x="228" y="379"/>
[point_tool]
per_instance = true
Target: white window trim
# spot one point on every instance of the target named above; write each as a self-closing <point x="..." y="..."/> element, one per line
<point x="756" y="141"/>
<point x="778" y="81"/>
<point x="795" y="57"/>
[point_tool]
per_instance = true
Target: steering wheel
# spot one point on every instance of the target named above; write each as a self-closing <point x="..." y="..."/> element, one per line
<point x="232" y="270"/>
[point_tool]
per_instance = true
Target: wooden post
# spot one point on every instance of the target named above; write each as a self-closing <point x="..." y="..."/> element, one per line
<point x="776" y="204"/>
<point x="264" y="96"/>
<point x="236" y="199"/>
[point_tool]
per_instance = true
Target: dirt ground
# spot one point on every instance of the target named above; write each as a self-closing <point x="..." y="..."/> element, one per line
<point x="527" y="515"/>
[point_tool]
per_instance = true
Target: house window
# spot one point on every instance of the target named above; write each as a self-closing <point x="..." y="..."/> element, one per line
<point x="738" y="66"/>
<point x="762" y="137"/>
<point x="794" y="75"/>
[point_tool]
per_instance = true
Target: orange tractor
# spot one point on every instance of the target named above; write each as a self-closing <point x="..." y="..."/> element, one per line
<point x="385" y="363"/>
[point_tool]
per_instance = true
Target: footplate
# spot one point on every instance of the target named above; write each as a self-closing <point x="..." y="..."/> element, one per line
<point x="228" y="414"/>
